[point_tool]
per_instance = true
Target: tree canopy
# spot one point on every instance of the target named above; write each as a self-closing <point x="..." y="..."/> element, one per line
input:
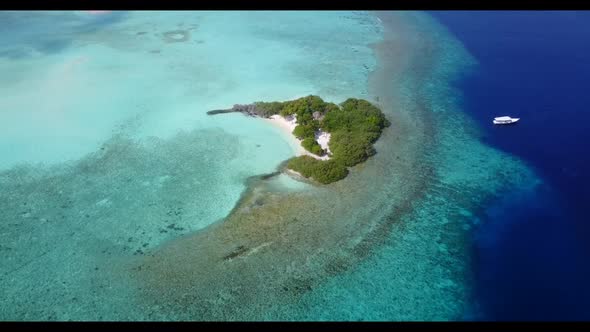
<point x="354" y="126"/>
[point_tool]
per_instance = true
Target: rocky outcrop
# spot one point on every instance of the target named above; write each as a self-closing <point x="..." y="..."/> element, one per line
<point x="247" y="109"/>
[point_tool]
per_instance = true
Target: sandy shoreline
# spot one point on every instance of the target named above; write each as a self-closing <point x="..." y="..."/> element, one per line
<point x="287" y="124"/>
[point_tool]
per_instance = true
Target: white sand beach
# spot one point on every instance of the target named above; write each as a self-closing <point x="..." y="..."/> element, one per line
<point x="288" y="124"/>
<point x="323" y="138"/>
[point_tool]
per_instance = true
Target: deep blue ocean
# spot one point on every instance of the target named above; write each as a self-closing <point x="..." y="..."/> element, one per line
<point x="532" y="252"/>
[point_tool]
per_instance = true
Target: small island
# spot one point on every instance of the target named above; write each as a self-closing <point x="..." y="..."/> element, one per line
<point x="335" y="137"/>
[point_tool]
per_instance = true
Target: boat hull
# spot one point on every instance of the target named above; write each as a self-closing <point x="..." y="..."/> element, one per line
<point x="497" y="122"/>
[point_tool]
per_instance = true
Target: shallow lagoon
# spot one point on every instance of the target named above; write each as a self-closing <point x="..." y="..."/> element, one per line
<point x="122" y="200"/>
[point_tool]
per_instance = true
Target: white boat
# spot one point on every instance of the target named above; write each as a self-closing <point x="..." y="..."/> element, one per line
<point x="505" y="120"/>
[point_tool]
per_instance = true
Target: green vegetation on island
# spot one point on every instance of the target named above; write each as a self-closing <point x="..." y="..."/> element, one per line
<point x="354" y="126"/>
<point x="323" y="171"/>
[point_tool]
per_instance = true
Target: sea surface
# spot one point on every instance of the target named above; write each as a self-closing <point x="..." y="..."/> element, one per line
<point x="532" y="249"/>
<point x="122" y="200"/>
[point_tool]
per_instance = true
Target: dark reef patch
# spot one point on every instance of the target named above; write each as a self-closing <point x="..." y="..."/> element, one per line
<point x="32" y="32"/>
<point x="240" y="250"/>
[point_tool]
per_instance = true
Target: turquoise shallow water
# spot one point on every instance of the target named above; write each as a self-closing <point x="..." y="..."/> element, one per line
<point x="420" y="269"/>
<point x="108" y="159"/>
